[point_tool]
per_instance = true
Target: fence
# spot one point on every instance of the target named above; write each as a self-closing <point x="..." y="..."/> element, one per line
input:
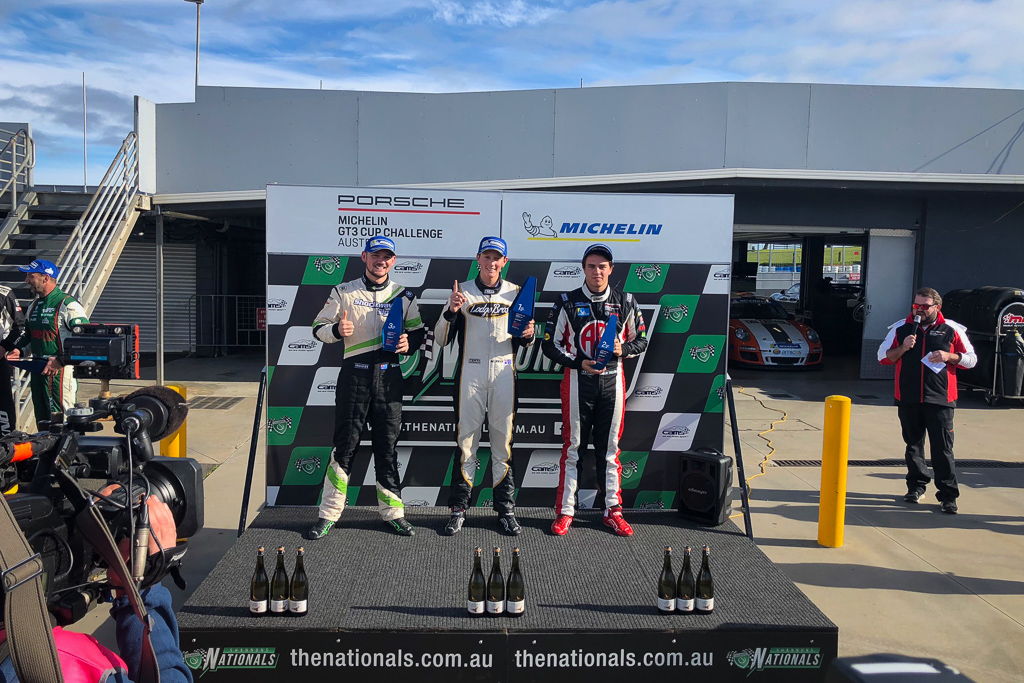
<point x="221" y="322"/>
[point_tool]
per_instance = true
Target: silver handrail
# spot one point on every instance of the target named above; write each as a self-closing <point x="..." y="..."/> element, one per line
<point x="18" y="170"/>
<point x="85" y="259"/>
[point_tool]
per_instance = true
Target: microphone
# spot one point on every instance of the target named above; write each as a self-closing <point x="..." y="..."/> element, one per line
<point x="917" y="326"/>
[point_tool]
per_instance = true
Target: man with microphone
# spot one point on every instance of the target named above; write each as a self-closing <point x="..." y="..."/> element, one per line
<point x="369" y="383"/>
<point x="927" y="349"/>
<point x="477" y="316"/>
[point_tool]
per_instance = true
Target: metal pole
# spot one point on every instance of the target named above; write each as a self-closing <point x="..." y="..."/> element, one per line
<point x="85" y="139"/>
<point x="159" y="297"/>
<point x="835" y="450"/>
<point x="744" y="494"/>
<point x="199" y="3"/>
<point x="256" y="421"/>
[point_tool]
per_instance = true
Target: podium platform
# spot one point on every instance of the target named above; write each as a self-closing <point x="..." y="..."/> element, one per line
<point x="384" y="607"/>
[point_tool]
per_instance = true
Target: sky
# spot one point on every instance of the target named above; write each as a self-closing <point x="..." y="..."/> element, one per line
<point x="147" y="48"/>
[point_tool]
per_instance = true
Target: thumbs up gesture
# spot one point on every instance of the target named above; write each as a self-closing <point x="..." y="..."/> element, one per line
<point x="345" y="326"/>
<point x="457" y="298"/>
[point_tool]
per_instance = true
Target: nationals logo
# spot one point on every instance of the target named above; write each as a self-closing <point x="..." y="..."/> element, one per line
<point x="280" y="426"/>
<point x="648" y="272"/>
<point x="307" y="465"/>
<point x="703" y="353"/>
<point x="677" y="313"/>
<point x="327" y="264"/>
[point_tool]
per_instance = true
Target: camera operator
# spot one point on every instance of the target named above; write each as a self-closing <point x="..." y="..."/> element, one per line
<point x="81" y="656"/>
<point x="11" y="322"/>
<point x="48" y="321"/>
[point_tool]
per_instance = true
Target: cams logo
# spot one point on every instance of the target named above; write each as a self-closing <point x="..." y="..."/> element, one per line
<point x="723" y="274"/>
<point x="544" y="467"/>
<point x="408" y="267"/>
<point x="703" y="353"/>
<point x="308" y="465"/>
<point x="280" y="425"/>
<point x="328" y="387"/>
<point x="546" y="227"/>
<point x="648" y="392"/>
<point x="675" y="432"/>
<point x="648" y="272"/>
<point x="327" y="264"/>
<point x="215" y="658"/>
<point x="568" y="271"/>
<point x="276" y="304"/>
<point x="489" y="310"/>
<point x="303" y="344"/>
<point x="677" y="313"/>
<point x="417" y="503"/>
<point x="761" y="658"/>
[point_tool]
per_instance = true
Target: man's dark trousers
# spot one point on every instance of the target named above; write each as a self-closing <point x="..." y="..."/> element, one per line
<point x="918" y="419"/>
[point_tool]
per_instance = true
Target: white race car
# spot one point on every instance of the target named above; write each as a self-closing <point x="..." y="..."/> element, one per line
<point x="762" y="334"/>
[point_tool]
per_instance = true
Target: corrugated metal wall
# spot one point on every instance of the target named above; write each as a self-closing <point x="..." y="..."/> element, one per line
<point x="130" y="294"/>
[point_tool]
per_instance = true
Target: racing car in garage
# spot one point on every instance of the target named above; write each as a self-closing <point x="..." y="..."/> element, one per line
<point x="763" y="334"/>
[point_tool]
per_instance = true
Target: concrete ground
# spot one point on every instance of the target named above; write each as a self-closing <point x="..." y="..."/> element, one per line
<point x="907" y="579"/>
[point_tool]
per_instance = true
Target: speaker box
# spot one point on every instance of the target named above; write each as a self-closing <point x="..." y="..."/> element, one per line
<point x="705" y="482"/>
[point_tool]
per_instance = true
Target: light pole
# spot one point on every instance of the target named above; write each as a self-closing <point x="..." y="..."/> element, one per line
<point x="198" y="3"/>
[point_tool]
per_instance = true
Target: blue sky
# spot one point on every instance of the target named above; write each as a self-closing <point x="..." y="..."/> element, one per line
<point x="146" y="47"/>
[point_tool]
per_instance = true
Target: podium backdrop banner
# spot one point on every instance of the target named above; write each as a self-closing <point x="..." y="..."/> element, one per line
<point x="672" y="254"/>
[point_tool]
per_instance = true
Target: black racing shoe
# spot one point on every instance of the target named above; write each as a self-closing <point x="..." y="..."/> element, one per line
<point x="455" y="522"/>
<point x="319" y="530"/>
<point x="401" y="526"/>
<point x="913" y="496"/>
<point x="948" y="506"/>
<point x="509" y="524"/>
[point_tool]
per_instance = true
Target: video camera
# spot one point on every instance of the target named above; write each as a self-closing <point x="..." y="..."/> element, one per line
<point x="103" y="351"/>
<point x="60" y="471"/>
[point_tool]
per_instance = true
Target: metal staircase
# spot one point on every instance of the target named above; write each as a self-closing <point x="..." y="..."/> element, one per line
<point x="82" y="233"/>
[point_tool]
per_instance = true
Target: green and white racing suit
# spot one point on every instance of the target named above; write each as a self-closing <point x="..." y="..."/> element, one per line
<point x="48" y="322"/>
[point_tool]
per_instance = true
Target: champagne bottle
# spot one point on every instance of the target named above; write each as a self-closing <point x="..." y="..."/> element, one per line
<point x="477" y="586"/>
<point x="667" y="585"/>
<point x="298" y="595"/>
<point x="259" y="587"/>
<point x="705" y="584"/>
<point x="686" y="587"/>
<point x="279" y="586"/>
<point x="496" y="586"/>
<point x="515" y="594"/>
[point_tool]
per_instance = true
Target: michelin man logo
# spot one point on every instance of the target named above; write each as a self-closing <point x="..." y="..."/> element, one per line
<point x="545" y="229"/>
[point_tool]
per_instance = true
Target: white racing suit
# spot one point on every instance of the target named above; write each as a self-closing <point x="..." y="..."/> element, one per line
<point x="369" y="389"/>
<point x="485" y="383"/>
<point x="593" y="406"/>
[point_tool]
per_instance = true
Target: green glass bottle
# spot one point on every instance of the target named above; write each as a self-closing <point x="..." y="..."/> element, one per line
<point x="667" y="585"/>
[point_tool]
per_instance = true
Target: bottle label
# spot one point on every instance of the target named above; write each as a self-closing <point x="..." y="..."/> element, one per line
<point x="705" y="605"/>
<point x="516" y="606"/>
<point x="297" y="606"/>
<point x="666" y="605"/>
<point x="683" y="605"/>
<point x="475" y="606"/>
<point x="279" y="606"/>
<point x="257" y="606"/>
<point x="495" y="607"/>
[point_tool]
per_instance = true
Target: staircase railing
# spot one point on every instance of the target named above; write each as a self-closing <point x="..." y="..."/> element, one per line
<point x="17" y="158"/>
<point x="96" y="242"/>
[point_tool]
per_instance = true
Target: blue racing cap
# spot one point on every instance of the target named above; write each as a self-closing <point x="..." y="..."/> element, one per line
<point x="494" y="243"/>
<point x="600" y="249"/>
<point x="41" y="266"/>
<point x="378" y="243"/>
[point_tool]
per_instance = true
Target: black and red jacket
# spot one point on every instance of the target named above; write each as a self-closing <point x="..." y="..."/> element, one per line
<point x="916" y="382"/>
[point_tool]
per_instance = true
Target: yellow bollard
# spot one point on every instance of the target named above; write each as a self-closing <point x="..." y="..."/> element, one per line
<point x="176" y="445"/>
<point x="835" y="449"/>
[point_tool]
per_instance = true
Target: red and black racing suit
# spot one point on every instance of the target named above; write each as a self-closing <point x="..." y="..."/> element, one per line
<point x="593" y="406"/>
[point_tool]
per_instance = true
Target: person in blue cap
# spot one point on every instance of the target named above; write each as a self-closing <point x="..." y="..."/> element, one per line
<point x="485" y="380"/>
<point x="48" y="322"/>
<point x="369" y="383"/>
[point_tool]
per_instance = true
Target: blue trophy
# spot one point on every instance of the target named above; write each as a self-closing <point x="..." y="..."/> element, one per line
<point x="606" y="347"/>
<point x="394" y="325"/>
<point x="30" y="364"/>
<point x="521" y="313"/>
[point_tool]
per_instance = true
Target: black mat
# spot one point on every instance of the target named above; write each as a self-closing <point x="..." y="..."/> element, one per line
<point x="365" y="578"/>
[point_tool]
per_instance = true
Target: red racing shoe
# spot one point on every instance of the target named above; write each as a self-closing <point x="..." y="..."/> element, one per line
<point x="615" y="521"/>
<point x="560" y="527"/>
